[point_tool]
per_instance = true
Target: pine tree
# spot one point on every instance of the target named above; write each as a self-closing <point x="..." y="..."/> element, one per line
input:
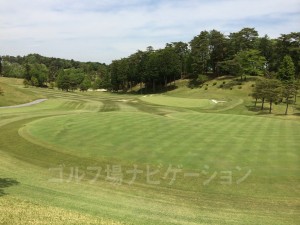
<point x="286" y="70"/>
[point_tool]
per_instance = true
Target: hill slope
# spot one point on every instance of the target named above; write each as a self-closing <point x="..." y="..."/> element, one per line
<point x="15" y="93"/>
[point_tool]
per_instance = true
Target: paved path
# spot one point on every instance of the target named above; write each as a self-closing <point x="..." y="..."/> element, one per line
<point x="24" y="105"/>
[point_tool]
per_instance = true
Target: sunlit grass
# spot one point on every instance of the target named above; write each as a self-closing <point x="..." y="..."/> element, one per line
<point x="74" y="130"/>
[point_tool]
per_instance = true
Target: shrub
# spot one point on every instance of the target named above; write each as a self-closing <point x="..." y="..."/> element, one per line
<point x="215" y="83"/>
<point x="224" y="82"/>
<point x="206" y="88"/>
<point x="202" y="79"/>
<point x="1" y="91"/>
<point x="230" y="88"/>
<point x="253" y="85"/>
<point x="221" y="86"/>
<point x="34" y="81"/>
<point x="26" y="83"/>
<point x="240" y="87"/>
<point x="51" y="85"/>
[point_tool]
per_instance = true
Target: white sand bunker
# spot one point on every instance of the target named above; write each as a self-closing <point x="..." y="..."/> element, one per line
<point x="216" y="101"/>
<point x="124" y="100"/>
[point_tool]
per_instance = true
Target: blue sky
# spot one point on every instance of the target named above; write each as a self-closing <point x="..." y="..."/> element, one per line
<point x="104" y="30"/>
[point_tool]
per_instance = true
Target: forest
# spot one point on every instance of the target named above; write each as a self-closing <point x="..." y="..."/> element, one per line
<point x="206" y="56"/>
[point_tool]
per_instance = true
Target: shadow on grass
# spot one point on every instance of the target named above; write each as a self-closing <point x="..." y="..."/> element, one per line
<point x="253" y="108"/>
<point x="193" y="83"/>
<point x="257" y="109"/>
<point x="5" y="183"/>
<point x="159" y="90"/>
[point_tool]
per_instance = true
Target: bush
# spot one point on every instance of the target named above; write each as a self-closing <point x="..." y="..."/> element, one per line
<point x="240" y="87"/>
<point x="215" y="83"/>
<point x="202" y="79"/>
<point x="224" y="82"/>
<point x="1" y="91"/>
<point x="206" y="88"/>
<point x="34" y="81"/>
<point x="253" y="85"/>
<point x="26" y="83"/>
<point x="230" y="88"/>
<point x="221" y="86"/>
<point x="51" y="85"/>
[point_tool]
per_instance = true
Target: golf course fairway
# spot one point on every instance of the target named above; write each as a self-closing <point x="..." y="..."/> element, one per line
<point x="105" y="158"/>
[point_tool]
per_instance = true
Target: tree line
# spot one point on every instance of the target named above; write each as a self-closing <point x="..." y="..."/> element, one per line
<point x="207" y="55"/>
<point x="41" y="71"/>
<point x="282" y="89"/>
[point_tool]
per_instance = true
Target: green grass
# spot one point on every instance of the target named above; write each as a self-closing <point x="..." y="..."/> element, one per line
<point x="84" y="130"/>
<point x="140" y="137"/>
<point x="178" y="102"/>
<point x="15" y="95"/>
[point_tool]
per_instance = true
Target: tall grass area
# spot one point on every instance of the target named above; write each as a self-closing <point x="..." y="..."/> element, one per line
<point x="14" y="93"/>
<point x="172" y="158"/>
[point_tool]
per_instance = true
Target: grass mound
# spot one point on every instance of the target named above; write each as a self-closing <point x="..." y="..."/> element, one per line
<point x="177" y="102"/>
<point x="14" y="95"/>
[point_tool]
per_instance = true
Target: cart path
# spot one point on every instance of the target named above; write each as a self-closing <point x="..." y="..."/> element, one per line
<point x="24" y="105"/>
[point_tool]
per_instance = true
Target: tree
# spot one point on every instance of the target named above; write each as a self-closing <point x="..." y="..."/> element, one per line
<point x="272" y="91"/>
<point x="85" y="84"/>
<point x="297" y="87"/>
<point x="286" y="70"/>
<point x="217" y="49"/>
<point x="0" y="66"/>
<point x="63" y="81"/>
<point x="200" y="53"/>
<point x="152" y="71"/>
<point x="251" y="62"/>
<point x="266" y="46"/>
<point x="267" y="89"/>
<point x="169" y="65"/>
<point x="34" y="81"/>
<point x="36" y="73"/>
<point x="288" y="92"/>
<point x="12" y="69"/>
<point x="26" y="83"/>
<point x="243" y="40"/>
<point x="231" y="67"/>
<point x="182" y="50"/>
<point x="27" y="75"/>
<point x="119" y="70"/>
<point x="258" y="92"/>
<point x="289" y="44"/>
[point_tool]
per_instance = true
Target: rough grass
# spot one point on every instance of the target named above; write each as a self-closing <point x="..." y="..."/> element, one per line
<point x="15" y="95"/>
<point x="16" y="211"/>
<point x="101" y="129"/>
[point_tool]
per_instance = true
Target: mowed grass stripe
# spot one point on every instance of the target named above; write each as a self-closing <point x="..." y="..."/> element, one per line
<point x="207" y="215"/>
<point x="160" y="136"/>
<point x="62" y="199"/>
<point x="116" y="133"/>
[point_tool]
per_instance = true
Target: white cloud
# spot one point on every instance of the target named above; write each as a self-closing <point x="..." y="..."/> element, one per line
<point x="109" y="29"/>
